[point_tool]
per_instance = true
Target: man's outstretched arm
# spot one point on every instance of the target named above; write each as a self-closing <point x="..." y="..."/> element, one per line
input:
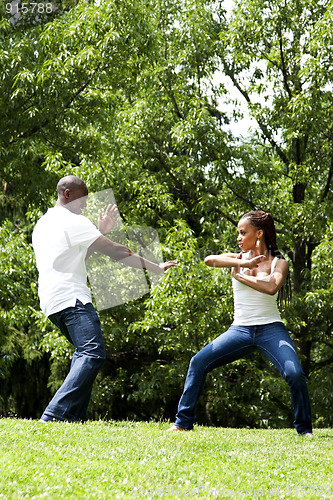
<point x="121" y="253"/>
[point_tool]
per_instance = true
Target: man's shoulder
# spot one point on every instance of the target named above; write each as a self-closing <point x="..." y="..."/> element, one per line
<point x="52" y="212"/>
<point x="62" y="214"/>
<point x="60" y="219"/>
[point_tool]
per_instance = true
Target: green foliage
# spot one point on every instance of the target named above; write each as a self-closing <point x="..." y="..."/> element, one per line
<point x="18" y="295"/>
<point x="138" y="96"/>
<point x="21" y="327"/>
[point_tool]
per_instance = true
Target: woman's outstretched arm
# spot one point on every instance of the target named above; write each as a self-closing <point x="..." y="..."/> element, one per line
<point x="232" y="260"/>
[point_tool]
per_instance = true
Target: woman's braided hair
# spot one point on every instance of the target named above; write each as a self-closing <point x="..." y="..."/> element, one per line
<point x="263" y="220"/>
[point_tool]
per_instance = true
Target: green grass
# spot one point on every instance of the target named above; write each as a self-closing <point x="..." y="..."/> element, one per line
<point x="140" y="460"/>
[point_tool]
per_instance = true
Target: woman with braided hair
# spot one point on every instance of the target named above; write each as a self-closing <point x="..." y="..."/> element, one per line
<point x="259" y="272"/>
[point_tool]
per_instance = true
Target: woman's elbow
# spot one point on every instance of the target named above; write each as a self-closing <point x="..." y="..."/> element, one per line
<point x="210" y="261"/>
<point x="273" y="290"/>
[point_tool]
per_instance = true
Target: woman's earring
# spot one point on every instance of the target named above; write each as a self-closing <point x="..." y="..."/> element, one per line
<point x="258" y="243"/>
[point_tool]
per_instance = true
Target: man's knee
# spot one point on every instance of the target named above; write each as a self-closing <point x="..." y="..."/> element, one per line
<point x="94" y="349"/>
<point x="101" y="355"/>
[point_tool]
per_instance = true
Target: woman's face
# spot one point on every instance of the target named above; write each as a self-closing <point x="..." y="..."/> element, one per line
<point x="247" y="235"/>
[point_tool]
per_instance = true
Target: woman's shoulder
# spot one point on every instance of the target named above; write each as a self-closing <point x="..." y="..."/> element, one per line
<point x="281" y="264"/>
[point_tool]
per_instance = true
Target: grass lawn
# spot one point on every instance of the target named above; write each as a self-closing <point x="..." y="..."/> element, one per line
<point x="140" y="460"/>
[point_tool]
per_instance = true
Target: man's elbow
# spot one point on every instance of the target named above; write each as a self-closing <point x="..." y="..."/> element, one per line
<point x="107" y="247"/>
<point x="122" y="254"/>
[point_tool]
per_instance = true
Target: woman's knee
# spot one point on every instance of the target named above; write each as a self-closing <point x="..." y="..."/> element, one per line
<point x="199" y="362"/>
<point x="295" y="376"/>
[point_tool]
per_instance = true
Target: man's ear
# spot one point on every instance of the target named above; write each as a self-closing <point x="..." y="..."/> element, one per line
<point x="67" y="194"/>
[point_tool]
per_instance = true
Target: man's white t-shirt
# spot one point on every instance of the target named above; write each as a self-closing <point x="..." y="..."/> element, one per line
<point x="60" y="240"/>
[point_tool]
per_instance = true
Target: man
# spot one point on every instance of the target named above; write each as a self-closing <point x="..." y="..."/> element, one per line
<point x="62" y="240"/>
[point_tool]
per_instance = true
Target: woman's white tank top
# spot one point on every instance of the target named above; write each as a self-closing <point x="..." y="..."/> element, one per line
<point x="252" y="307"/>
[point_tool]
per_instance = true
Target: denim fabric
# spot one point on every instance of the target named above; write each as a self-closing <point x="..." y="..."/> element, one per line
<point x="272" y="340"/>
<point x="81" y="326"/>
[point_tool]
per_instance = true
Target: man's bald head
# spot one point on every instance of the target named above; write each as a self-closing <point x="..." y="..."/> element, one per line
<point x="70" y="189"/>
<point x="72" y="183"/>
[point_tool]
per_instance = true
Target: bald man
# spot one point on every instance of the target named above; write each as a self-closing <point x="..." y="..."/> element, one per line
<point x="62" y="239"/>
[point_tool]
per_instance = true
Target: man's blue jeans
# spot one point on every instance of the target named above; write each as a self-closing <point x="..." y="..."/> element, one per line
<point x="272" y="340"/>
<point x="81" y="326"/>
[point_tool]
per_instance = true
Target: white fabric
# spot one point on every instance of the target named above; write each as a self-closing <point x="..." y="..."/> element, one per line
<point x="252" y="307"/>
<point x="60" y="240"/>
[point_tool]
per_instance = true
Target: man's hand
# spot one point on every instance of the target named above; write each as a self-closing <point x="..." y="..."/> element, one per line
<point x="107" y="221"/>
<point x="166" y="265"/>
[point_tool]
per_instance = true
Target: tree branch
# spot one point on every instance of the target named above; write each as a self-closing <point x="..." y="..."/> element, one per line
<point x="328" y="182"/>
<point x="321" y="364"/>
<point x="261" y="124"/>
<point x="172" y="97"/>
<point x="283" y="64"/>
<point x="39" y="127"/>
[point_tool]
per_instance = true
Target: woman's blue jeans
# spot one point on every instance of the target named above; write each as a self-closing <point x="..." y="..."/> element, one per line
<point x="272" y="340"/>
<point x="81" y="326"/>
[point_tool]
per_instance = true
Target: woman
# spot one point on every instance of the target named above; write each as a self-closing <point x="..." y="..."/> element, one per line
<point x="258" y="273"/>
